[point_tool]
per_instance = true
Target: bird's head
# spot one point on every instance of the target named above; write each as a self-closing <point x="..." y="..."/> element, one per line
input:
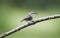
<point x="32" y="13"/>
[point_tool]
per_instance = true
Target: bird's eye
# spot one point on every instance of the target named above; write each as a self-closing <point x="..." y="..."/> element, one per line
<point x="34" y="13"/>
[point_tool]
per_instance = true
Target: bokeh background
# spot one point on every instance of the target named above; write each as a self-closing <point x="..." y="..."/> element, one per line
<point x="13" y="11"/>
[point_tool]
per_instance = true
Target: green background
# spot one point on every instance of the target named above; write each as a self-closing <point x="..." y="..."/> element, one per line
<point x="13" y="11"/>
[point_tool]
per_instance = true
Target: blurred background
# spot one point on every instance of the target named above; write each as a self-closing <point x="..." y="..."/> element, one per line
<point x="13" y="11"/>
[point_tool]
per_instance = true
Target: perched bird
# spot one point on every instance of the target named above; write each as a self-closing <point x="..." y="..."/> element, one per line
<point x="29" y="17"/>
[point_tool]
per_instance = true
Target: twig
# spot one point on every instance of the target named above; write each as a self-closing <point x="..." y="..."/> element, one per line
<point x="26" y="25"/>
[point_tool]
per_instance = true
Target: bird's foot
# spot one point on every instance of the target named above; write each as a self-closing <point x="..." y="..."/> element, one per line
<point x="32" y="21"/>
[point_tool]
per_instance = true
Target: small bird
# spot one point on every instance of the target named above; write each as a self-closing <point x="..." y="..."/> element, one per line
<point x="29" y="17"/>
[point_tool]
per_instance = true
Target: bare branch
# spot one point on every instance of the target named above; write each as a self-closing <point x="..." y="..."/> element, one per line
<point x="26" y="25"/>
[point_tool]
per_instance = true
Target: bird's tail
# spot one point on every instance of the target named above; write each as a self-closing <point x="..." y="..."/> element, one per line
<point x="21" y="20"/>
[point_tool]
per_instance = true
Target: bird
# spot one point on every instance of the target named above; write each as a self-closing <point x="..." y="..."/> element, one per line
<point x="29" y="17"/>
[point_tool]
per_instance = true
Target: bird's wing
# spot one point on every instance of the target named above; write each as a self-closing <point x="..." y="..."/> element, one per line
<point x="26" y="18"/>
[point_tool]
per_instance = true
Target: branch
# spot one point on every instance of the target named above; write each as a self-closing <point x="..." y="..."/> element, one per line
<point x="29" y="24"/>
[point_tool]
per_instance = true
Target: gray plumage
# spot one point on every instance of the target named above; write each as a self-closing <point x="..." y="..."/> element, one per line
<point x="29" y="17"/>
